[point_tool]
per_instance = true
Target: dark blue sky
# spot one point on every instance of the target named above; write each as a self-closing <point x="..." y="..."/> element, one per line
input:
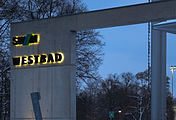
<point x="126" y="46"/>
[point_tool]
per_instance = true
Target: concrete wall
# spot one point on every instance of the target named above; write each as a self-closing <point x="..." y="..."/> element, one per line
<point x="55" y="82"/>
<point x="174" y="109"/>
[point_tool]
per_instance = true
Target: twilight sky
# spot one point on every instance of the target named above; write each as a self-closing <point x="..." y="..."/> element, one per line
<point x="126" y="46"/>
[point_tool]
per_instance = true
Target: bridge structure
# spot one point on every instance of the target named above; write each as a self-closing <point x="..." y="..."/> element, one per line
<point x="55" y="41"/>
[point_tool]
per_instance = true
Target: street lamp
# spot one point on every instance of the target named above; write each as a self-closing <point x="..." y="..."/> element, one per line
<point x="119" y="111"/>
<point x="172" y="69"/>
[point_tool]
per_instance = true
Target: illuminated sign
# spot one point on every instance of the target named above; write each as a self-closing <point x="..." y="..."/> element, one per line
<point x="52" y="58"/>
<point x="26" y="40"/>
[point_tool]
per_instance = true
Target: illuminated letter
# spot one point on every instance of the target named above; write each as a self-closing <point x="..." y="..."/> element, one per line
<point x="43" y="59"/>
<point x="50" y="58"/>
<point x="31" y="60"/>
<point x="37" y="60"/>
<point x="16" y="61"/>
<point x="59" y="57"/>
<point x="24" y="60"/>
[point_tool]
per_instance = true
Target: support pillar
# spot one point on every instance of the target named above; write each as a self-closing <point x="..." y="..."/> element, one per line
<point x="158" y="68"/>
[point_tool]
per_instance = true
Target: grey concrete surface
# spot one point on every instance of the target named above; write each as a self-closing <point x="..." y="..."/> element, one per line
<point x="119" y="16"/>
<point x="158" y="59"/>
<point x="55" y="82"/>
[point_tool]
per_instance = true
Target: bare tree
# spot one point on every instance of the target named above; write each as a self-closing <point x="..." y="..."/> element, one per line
<point x="4" y="85"/>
